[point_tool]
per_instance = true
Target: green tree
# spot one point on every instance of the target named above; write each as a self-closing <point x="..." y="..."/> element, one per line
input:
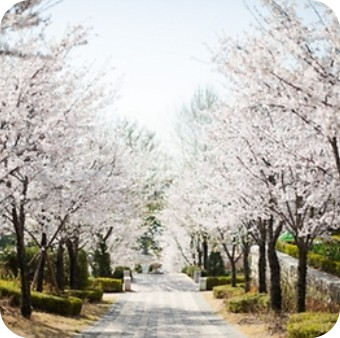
<point x="215" y="264"/>
<point x="101" y="258"/>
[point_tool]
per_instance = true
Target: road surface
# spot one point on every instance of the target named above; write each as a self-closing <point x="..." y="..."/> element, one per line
<point x="161" y="306"/>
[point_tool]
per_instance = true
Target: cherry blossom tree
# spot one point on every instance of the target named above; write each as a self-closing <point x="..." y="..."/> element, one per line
<point x="38" y="109"/>
<point x="288" y="104"/>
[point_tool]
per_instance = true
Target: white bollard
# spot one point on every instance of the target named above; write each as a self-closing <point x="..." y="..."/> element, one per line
<point x="127" y="283"/>
<point x="197" y="276"/>
<point x="203" y="284"/>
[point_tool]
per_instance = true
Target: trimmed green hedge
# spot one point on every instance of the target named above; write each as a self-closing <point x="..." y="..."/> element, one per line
<point x="310" y="324"/>
<point x="217" y="281"/>
<point x="93" y="296"/>
<point x="287" y="248"/>
<point x="53" y="304"/>
<point x="191" y="269"/>
<point x="314" y="260"/>
<point x="119" y="272"/>
<point x="70" y="306"/>
<point x="10" y="290"/>
<point x="227" y="291"/>
<point x="108" y="284"/>
<point x="249" y="303"/>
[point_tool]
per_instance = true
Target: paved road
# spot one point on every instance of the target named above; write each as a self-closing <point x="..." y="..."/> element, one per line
<point x="161" y="306"/>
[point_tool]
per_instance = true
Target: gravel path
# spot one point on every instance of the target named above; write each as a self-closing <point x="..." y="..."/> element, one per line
<point x="161" y="306"/>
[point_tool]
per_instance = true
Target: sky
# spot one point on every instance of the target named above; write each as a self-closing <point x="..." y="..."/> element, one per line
<point x="160" y="49"/>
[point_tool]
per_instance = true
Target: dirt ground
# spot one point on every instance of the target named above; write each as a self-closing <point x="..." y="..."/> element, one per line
<point x="252" y="325"/>
<point x="44" y="325"/>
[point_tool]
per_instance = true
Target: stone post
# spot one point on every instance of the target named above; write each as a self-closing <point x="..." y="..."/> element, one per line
<point x="197" y="276"/>
<point x="203" y="284"/>
<point x="127" y="283"/>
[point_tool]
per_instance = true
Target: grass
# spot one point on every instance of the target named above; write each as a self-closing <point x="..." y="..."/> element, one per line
<point x="43" y="325"/>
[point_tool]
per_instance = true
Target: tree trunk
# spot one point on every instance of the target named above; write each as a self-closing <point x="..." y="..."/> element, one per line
<point x="275" y="279"/>
<point x="275" y="270"/>
<point x="302" y="278"/>
<point x="199" y="254"/>
<point x="246" y="267"/>
<point x="205" y="253"/>
<point x="26" y="308"/>
<point x="233" y="273"/>
<point x="41" y="265"/>
<point x="262" y="268"/>
<point x="262" y="263"/>
<point x="336" y="152"/>
<point x="60" y="271"/>
<point x="232" y="261"/>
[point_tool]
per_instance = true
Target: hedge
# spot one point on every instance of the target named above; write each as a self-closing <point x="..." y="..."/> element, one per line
<point x="70" y="306"/>
<point x="314" y="260"/>
<point x="249" y="303"/>
<point x="227" y="291"/>
<point x="310" y="324"/>
<point x="93" y="296"/>
<point x="108" y="284"/>
<point x="48" y="303"/>
<point x="10" y="290"/>
<point x="191" y="269"/>
<point x="119" y="272"/>
<point x="216" y="281"/>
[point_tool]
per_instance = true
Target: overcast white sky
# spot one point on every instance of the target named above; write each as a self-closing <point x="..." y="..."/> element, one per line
<point x="159" y="47"/>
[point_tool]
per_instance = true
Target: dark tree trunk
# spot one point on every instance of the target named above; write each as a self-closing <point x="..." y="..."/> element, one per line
<point x="275" y="270"/>
<point x="246" y="267"/>
<point x="262" y="263"/>
<point x="233" y="273"/>
<point x="199" y="254"/>
<point x="26" y="309"/>
<point x="205" y="253"/>
<point x="60" y="267"/>
<point x="336" y="152"/>
<point x="262" y="268"/>
<point x="73" y="259"/>
<point x="275" y="278"/>
<point x="302" y="277"/>
<point x="41" y="265"/>
<point x="232" y="260"/>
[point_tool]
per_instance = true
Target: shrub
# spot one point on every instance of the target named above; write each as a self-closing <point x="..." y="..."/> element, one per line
<point x="249" y="303"/>
<point x="215" y="265"/>
<point x="93" y="296"/>
<point x="70" y="306"/>
<point x="83" y="271"/>
<point x="41" y="301"/>
<point x="119" y="272"/>
<point x="138" y="268"/>
<point x="10" y="290"/>
<point x="314" y="260"/>
<point x="227" y="291"/>
<point x="222" y="280"/>
<point x="108" y="284"/>
<point x="204" y="273"/>
<point x="327" y="248"/>
<point x="310" y="325"/>
<point x="9" y="260"/>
